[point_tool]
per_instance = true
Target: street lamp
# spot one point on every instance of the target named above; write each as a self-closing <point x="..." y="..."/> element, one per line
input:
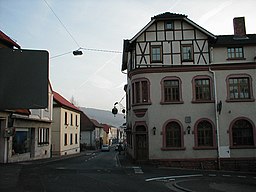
<point x="77" y="52"/>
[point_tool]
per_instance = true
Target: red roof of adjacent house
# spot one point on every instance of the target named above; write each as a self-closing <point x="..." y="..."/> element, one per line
<point x="64" y="102"/>
<point x="8" y="40"/>
<point x="106" y="128"/>
<point x="96" y="123"/>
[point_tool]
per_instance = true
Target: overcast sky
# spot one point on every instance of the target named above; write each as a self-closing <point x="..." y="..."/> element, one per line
<point x="95" y="79"/>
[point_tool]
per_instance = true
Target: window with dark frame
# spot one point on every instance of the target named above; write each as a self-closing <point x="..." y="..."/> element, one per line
<point x="205" y="134"/>
<point x="202" y="90"/>
<point x="169" y="25"/>
<point x="76" y="141"/>
<point x="239" y="88"/>
<point x="171" y="90"/>
<point x="156" y="53"/>
<point x="173" y="135"/>
<point x="140" y="92"/>
<point x="66" y="118"/>
<point x="71" y="139"/>
<point x="235" y="53"/>
<point x="242" y="133"/>
<point x="65" y="139"/>
<point x="71" y="119"/>
<point x="187" y="52"/>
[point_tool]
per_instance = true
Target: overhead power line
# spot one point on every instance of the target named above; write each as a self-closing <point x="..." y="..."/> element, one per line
<point x="61" y="23"/>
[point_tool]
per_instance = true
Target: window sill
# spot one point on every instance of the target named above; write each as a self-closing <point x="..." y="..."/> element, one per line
<point x="173" y="148"/>
<point x="243" y="147"/>
<point x="171" y="102"/>
<point x="42" y="144"/>
<point x="205" y="148"/>
<point x="236" y="58"/>
<point x="239" y="100"/>
<point x="203" y="101"/>
<point x="140" y="104"/>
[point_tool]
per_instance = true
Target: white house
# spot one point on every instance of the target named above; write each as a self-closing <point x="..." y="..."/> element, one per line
<point x="191" y="95"/>
<point x="24" y="134"/>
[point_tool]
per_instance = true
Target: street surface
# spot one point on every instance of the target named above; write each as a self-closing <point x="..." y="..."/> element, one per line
<point x="111" y="172"/>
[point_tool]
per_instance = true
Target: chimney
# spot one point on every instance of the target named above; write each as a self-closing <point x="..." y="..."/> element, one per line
<point x="239" y="28"/>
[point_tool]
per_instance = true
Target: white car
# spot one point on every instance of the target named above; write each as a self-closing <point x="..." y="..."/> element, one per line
<point x="105" y="147"/>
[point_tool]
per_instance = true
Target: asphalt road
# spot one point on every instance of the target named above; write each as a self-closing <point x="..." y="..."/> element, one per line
<point x="110" y="172"/>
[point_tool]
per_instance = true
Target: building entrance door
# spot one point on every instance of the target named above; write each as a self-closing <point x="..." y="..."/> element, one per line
<point x="141" y="147"/>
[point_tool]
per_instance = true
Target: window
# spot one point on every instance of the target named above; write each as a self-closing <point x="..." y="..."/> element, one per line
<point x="66" y="118"/>
<point x="71" y="138"/>
<point x="156" y="54"/>
<point x="202" y="89"/>
<point x="187" y="52"/>
<point x="235" y="53"/>
<point x="140" y="91"/>
<point x="71" y="119"/>
<point x="204" y="134"/>
<point x="172" y="135"/>
<point x="171" y="90"/>
<point x="65" y="139"/>
<point x="21" y="141"/>
<point x="43" y="136"/>
<point x="77" y="121"/>
<point x="242" y="133"/>
<point x="239" y="88"/>
<point x="169" y="25"/>
<point x="76" y="140"/>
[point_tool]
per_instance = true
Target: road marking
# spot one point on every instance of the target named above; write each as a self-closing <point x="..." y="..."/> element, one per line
<point x="172" y="177"/>
<point x="212" y="175"/>
<point x="226" y="175"/>
<point x="138" y="170"/>
<point x="241" y="176"/>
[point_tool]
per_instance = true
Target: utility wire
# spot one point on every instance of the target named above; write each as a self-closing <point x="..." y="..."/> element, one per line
<point x="101" y="50"/>
<point x="61" y="23"/>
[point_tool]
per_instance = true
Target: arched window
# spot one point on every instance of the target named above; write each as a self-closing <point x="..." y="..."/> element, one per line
<point x="242" y="133"/>
<point x="173" y="135"/>
<point x="204" y="134"/>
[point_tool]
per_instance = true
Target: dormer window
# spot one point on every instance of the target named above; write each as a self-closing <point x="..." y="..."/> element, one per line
<point x="235" y="53"/>
<point x="169" y="25"/>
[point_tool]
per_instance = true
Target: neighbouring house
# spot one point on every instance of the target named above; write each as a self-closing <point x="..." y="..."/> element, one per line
<point x="25" y="133"/>
<point x="65" y="127"/>
<point x="191" y="95"/>
<point x="108" y="134"/>
<point x="91" y="133"/>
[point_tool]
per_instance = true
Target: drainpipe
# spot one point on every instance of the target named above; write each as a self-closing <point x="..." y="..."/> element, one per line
<point x="216" y="116"/>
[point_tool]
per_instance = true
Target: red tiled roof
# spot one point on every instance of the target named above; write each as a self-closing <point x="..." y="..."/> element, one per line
<point x="106" y="128"/>
<point x="64" y="102"/>
<point x="8" y="40"/>
<point x="22" y="111"/>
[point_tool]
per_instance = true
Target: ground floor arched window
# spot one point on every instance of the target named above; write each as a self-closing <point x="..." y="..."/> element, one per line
<point x="242" y="133"/>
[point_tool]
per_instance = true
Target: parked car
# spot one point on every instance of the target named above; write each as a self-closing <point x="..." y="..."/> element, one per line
<point x="105" y="147"/>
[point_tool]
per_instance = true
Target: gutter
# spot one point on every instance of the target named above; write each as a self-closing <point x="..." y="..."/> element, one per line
<point x="216" y="116"/>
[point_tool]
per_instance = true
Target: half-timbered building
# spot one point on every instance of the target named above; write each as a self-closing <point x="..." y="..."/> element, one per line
<point x="190" y="95"/>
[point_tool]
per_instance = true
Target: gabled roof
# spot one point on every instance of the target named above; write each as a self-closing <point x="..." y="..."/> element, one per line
<point x="64" y="102"/>
<point x="8" y="41"/>
<point x="171" y="16"/>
